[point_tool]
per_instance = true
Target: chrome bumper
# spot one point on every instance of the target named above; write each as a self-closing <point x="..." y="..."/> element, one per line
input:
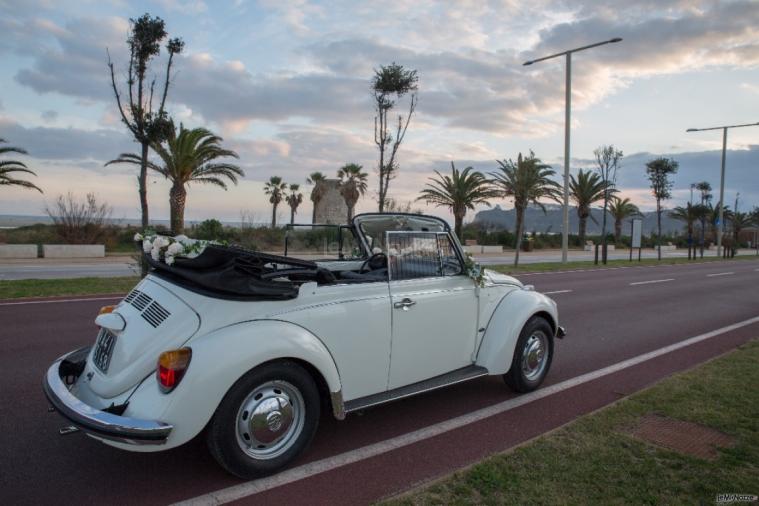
<point x="94" y="421"/>
<point x="560" y="332"/>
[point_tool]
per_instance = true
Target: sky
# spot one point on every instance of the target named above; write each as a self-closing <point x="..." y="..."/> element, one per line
<point x="286" y="84"/>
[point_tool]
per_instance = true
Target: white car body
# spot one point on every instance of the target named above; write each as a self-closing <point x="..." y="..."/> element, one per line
<point x="364" y="342"/>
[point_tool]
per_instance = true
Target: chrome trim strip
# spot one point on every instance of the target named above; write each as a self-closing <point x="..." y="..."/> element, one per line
<point x="100" y="423"/>
<point x="457" y="376"/>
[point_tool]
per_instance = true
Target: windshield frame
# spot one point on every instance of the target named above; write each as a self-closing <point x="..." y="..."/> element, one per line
<point x="340" y="255"/>
<point x="360" y="218"/>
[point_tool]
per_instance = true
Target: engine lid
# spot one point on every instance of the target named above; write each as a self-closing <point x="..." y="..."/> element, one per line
<point x="155" y="320"/>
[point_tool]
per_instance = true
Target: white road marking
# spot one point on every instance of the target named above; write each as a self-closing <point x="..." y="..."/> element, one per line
<point x="250" y="488"/>
<point x="57" y="301"/>
<point x="652" y="281"/>
<point x="719" y="274"/>
<point x="555" y="292"/>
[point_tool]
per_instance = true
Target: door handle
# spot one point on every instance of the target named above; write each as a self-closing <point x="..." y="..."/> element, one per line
<point x="404" y="304"/>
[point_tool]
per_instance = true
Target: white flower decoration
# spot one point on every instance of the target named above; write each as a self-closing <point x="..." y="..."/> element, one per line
<point x="137" y="237"/>
<point x="169" y="259"/>
<point x="147" y="245"/>
<point x="182" y="238"/>
<point x="174" y="248"/>
<point x="155" y="253"/>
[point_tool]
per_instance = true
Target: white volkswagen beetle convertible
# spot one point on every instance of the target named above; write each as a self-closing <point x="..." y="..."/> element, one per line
<point x="250" y="347"/>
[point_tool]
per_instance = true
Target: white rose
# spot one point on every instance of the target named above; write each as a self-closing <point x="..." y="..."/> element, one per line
<point x="160" y="242"/>
<point x="137" y="237"/>
<point x="147" y="246"/>
<point x="174" y="248"/>
<point x="181" y="238"/>
<point x="169" y="259"/>
<point x="155" y="253"/>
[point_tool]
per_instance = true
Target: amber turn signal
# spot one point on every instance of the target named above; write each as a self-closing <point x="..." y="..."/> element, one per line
<point x="171" y="368"/>
<point x="106" y="309"/>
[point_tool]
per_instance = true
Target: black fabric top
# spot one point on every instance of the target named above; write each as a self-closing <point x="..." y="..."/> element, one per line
<point x="239" y="274"/>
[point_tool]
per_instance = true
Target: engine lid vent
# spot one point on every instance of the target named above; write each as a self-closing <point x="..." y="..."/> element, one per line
<point x="155" y="314"/>
<point x="141" y="300"/>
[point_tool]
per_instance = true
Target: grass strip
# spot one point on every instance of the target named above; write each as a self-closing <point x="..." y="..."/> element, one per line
<point x="594" y="461"/>
<point x="14" y="289"/>
<point x="588" y="264"/>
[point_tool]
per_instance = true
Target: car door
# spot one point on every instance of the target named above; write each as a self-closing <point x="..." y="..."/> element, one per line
<point x="434" y="315"/>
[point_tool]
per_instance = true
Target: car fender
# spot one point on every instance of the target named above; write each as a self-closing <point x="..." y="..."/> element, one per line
<point x="502" y="332"/>
<point x="219" y="359"/>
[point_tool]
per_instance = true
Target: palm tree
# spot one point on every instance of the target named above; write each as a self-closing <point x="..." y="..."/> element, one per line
<point x="9" y="166"/>
<point x="621" y="209"/>
<point x="352" y="185"/>
<point x="690" y="214"/>
<point x="706" y="196"/>
<point x="458" y="192"/>
<point x="526" y="181"/>
<point x="274" y="188"/>
<point x="317" y="194"/>
<point x="188" y="157"/>
<point x="586" y="189"/>
<point x="294" y="199"/>
<point x="740" y="221"/>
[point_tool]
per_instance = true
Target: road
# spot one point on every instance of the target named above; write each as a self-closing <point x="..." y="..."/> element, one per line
<point x="124" y="266"/>
<point x="613" y="316"/>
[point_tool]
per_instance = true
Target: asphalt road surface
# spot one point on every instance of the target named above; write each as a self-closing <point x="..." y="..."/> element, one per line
<point x="116" y="266"/>
<point x="614" y="318"/>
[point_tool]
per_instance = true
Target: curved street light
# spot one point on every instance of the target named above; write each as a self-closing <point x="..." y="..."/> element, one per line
<point x="721" y="227"/>
<point x="568" y="105"/>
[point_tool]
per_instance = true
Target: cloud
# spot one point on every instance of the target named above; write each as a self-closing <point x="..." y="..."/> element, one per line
<point x="466" y="82"/>
<point x="66" y="143"/>
<point x="49" y="116"/>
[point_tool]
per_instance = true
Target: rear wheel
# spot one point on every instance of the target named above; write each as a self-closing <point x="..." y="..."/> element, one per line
<point x="265" y="420"/>
<point x="532" y="356"/>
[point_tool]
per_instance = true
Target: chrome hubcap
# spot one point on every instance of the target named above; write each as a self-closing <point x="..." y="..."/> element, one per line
<point x="534" y="355"/>
<point x="270" y="419"/>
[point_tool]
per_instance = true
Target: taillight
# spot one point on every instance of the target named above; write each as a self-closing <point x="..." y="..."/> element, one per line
<point x="171" y="368"/>
<point x="106" y="309"/>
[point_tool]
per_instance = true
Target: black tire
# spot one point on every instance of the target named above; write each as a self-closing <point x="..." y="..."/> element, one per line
<point x="517" y="378"/>
<point x="224" y="434"/>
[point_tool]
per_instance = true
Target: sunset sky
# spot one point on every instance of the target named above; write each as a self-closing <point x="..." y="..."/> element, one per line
<point x="287" y="86"/>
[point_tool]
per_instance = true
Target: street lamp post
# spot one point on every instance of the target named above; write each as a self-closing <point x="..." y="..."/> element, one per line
<point x="721" y="203"/>
<point x="568" y="104"/>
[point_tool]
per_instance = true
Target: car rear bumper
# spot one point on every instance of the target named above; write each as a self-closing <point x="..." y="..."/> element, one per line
<point x="98" y="423"/>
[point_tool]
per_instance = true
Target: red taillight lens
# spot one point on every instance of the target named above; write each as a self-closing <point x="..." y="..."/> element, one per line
<point x="171" y="368"/>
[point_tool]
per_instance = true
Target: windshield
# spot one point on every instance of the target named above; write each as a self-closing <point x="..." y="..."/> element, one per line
<point x="322" y="242"/>
<point x="373" y="227"/>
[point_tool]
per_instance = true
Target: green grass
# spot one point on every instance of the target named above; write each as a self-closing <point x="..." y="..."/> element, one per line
<point x="557" y="266"/>
<point x="593" y="460"/>
<point x="13" y="289"/>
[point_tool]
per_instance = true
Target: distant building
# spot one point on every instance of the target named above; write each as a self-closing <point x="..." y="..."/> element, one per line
<point x="331" y="209"/>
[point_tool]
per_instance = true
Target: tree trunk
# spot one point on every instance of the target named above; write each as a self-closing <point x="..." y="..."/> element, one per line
<point x="292" y="215"/>
<point x="143" y="186"/>
<point x="581" y="230"/>
<point x="603" y="227"/>
<point x="617" y="231"/>
<point x="313" y="212"/>
<point x="177" y="200"/>
<point x="520" y="217"/>
<point x="351" y="210"/>
<point x="458" y="222"/>
<point x="658" y="226"/>
<point x="143" y="191"/>
<point x="274" y="215"/>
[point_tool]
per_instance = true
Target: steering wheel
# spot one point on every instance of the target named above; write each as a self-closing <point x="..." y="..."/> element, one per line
<point x="374" y="262"/>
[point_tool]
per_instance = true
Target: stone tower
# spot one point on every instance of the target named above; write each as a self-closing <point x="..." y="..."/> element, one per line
<point x="331" y="209"/>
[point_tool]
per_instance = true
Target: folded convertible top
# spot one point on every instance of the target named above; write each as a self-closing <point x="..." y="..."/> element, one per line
<point x="230" y="272"/>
